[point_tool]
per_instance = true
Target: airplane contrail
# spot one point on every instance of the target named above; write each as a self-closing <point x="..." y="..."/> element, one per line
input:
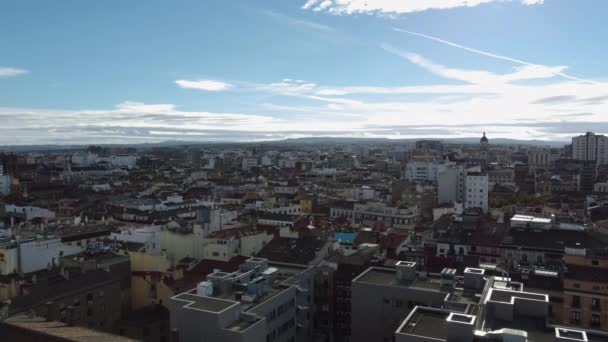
<point x="518" y="61"/>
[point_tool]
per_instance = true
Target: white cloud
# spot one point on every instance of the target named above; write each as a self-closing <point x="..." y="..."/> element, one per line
<point x="522" y="73"/>
<point x="206" y="85"/>
<point x="287" y="87"/>
<point x="396" y="6"/>
<point x="297" y="21"/>
<point x="496" y="56"/>
<point x="11" y="72"/>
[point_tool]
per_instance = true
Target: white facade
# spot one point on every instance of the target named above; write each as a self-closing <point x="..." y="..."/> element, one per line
<point x="35" y="255"/>
<point x="477" y="191"/>
<point x="266" y="161"/>
<point x="123" y="161"/>
<point x="30" y="212"/>
<point x="149" y="236"/>
<point x="590" y="147"/>
<point x="448" y="185"/>
<point x="451" y="183"/>
<point x="293" y="209"/>
<point x="422" y="171"/>
<point x="84" y="159"/>
<point x="249" y="163"/>
<point x="5" y="185"/>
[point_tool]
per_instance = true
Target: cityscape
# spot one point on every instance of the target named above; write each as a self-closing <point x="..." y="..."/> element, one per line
<point x="307" y="241"/>
<point x="303" y="171"/>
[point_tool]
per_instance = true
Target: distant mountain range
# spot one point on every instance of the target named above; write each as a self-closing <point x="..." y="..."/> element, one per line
<point x="310" y="140"/>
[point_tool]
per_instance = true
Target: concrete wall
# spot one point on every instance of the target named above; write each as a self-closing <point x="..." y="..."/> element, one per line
<point x="36" y="255"/>
<point x="177" y="246"/>
<point x="377" y="310"/>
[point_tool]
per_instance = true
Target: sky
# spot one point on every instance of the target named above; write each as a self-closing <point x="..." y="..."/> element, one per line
<point x="135" y="71"/>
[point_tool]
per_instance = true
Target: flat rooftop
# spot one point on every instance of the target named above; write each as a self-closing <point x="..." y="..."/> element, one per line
<point x="388" y="277"/>
<point x="537" y="329"/>
<point x="427" y="323"/>
<point x="242" y="324"/>
<point x="41" y="328"/>
<point x="205" y="303"/>
<point x="507" y="296"/>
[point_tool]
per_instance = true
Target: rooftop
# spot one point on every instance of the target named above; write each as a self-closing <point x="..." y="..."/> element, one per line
<point x="426" y="322"/>
<point x="61" y="331"/>
<point x="387" y="277"/>
<point x="205" y="303"/>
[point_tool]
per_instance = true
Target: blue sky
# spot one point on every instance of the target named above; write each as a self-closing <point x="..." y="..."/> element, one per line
<point x="85" y="71"/>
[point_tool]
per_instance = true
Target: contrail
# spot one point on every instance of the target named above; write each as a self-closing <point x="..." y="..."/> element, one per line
<point x="518" y="61"/>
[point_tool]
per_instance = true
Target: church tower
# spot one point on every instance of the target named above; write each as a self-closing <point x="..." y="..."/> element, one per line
<point x="483" y="149"/>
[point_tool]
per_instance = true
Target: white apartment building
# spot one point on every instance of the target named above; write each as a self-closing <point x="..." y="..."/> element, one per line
<point x="33" y="255"/>
<point x="422" y="171"/>
<point x="30" y="212"/>
<point x="477" y="191"/>
<point x="590" y="147"/>
<point x="5" y="185"/>
<point x="249" y="163"/>
<point x="123" y="161"/>
<point x="451" y="183"/>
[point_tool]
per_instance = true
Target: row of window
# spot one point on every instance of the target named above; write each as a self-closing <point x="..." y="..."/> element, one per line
<point x="272" y="315"/>
<point x="595" y="303"/>
<point x="575" y="318"/>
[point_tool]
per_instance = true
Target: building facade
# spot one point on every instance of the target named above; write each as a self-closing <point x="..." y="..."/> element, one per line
<point x="590" y="147"/>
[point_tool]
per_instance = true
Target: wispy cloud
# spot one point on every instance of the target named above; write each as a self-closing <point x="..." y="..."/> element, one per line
<point x="289" y="20"/>
<point x="396" y="6"/>
<point x="206" y="85"/>
<point x="11" y="72"/>
<point x="537" y="67"/>
<point x="522" y="73"/>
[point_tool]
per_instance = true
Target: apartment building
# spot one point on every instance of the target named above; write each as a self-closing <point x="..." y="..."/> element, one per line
<point x="585" y="291"/>
<point x="477" y="191"/>
<point x="590" y="147"/>
<point x="398" y="217"/>
<point x="261" y="301"/>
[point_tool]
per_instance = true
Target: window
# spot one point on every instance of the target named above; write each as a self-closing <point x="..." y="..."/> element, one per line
<point x="576" y="285"/>
<point x="595" y="320"/>
<point x="595" y="304"/>
<point x="576" y="301"/>
<point x="575" y="317"/>
<point x="595" y="262"/>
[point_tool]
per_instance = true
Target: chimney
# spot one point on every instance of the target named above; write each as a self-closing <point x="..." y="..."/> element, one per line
<point x="49" y="311"/>
<point x="174" y="335"/>
<point x="473" y="278"/>
<point x="461" y="328"/>
<point x="406" y="270"/>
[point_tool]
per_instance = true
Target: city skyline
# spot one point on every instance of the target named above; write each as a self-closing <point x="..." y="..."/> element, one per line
<point x="80" y="72"/>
